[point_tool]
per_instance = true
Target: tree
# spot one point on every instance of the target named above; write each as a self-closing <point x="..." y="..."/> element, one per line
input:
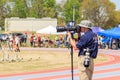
<point x="19" y="9"/>
<point x="43" y="8"/>
<point x="59" y="11"/>
<point x="37" y="8"/>
<point x="69" y="7"/>
<point x="100" y="12"/>
<point x="117" y="16"/>
<point x="49" y="8"/>
<point x="114" y="19"/>
<point x="3" y="12"/>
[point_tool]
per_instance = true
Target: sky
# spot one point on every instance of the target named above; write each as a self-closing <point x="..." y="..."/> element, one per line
<point x="116" y="2"/>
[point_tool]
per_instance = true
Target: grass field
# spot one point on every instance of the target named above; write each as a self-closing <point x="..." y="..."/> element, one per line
<point x="39" y="61"/>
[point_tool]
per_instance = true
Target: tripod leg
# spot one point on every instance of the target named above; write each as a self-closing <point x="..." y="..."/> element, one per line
<point x="72" y="72"/>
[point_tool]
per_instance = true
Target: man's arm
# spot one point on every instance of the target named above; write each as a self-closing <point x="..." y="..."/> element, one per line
<point x="72" y="42"/>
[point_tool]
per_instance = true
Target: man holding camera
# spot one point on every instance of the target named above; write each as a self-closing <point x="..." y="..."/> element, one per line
<point x="87" y="44"/>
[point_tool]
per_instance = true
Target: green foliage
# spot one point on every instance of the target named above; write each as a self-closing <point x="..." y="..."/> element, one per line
<point x="113" y="20"/>
<point x="69" y="11"/>
<point x="100" y="12"/>
<point x="49" y="8"/>
<point x="37" y="8"/>
<point x="19" y="9"/>
<point x="22" y="9"/>
<point x="3" y="12"/>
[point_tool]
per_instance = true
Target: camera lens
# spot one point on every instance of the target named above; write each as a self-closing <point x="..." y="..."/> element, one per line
<point x="61" y="29"/>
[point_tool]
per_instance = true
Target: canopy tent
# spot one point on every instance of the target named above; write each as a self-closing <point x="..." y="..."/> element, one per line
<point x="114" y="32"/>
<point x="49" y="30"/>
<point x="97" y="29"/>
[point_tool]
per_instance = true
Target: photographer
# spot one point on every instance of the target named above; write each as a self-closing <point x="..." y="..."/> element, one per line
<point x="87" y="40"/>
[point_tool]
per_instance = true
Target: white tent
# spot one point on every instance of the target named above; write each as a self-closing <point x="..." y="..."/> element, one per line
<point x="49" y="30"/>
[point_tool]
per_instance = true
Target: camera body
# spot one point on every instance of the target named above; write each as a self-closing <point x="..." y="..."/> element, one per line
<point x="87" y="57"/>
<point x="75" y="29"/>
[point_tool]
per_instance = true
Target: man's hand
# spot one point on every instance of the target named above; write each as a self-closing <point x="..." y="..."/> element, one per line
<point x="69" y="34"/>
<point x="72" y="42"/>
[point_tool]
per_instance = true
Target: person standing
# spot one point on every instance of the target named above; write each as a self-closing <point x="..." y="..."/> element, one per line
<point x="17" y="43"/>
<point x="39" y="40"/>
<point x="34" y="41"/>
<point x="87" y="40"/>
<point x="26" y="36"/>
<point x="10" y="41"/>
<point x="31" y="40"/>
<point x="43" y="40"/>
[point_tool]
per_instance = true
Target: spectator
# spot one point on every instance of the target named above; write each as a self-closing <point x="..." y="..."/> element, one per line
<point x="17" y="43"/>
<point x="66" y="42"/>
<point x="43" y="39"/>
<point x="39" y="41"/>
<point x="31" y="40"/>
<point x="10" y="41"/>
<point x="34" y="41"/>
<point x="57" y="41"/>
<point x="60" y="37"/>
<point x="26" y="36"/>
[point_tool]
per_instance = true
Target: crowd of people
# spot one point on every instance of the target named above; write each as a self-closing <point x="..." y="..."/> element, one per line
<point x="47" y="41"/>
<point x="42" y="40"/>
<point x="108" y="43"/>
<point x="13" y="43"/>
<point x="10" y="44"/>
<point x="35" y="40"/>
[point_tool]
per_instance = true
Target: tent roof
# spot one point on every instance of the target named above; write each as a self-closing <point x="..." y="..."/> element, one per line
<point x="49" y="30"/>
<point x="114" y="32"/>
<point x="96" y="29"/>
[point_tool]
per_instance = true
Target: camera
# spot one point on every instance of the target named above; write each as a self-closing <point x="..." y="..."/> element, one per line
<point x="76" y="29"/>
<point x="87" y="57"/>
